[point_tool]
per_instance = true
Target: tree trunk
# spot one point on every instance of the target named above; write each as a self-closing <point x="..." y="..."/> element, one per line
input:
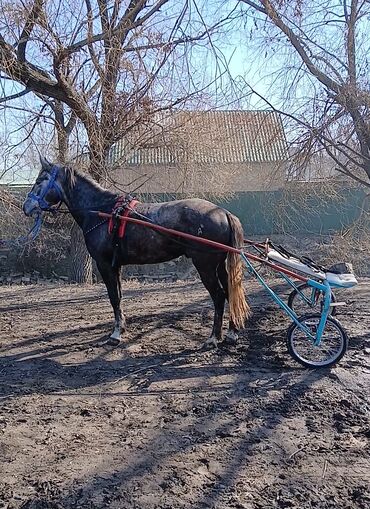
<point x="63" y="144"/>
<point x="81" y="261"/>
<point x="98" y="158"/>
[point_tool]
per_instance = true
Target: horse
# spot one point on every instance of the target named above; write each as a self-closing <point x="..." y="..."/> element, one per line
<point x="221" y="273"/>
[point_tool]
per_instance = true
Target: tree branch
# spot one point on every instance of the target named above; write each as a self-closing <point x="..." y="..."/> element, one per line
<point x="28" y="27"/>
<point x="15" y="96"/>
<point x="273" y="15"/>
<point x="325" y="141"/>
<point x="32" y="78"/>
<point x="351" y="44"/>
<point x="129" y="16"/>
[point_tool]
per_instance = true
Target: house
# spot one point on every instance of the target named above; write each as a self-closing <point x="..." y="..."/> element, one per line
<point x="316" y="167"/>
<point x="210" y="152"/>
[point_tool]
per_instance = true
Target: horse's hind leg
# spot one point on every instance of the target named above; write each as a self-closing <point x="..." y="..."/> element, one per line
<point x="112" y="280"/>
<point x="231" y="335"/>
<point x="208" y="274"/>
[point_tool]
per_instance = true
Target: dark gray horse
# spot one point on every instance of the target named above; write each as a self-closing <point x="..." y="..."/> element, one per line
<point x="220" y="273"/>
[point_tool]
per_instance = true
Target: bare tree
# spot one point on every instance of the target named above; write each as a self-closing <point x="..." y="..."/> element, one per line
<point x="113" y="63"/>
<point x="104" y="63"/>
<point x="317" y="58"/>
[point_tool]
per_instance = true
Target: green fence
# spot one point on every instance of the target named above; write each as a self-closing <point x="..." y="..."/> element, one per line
<point x="293" y="211"/>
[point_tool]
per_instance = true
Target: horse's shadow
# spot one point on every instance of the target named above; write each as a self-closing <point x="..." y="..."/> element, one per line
<point x="253" y="369"/>
<point x="166" y="374"/>
<point x="38" y="370"/>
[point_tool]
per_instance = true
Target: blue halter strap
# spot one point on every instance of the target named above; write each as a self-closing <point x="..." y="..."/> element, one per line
<point x="52" y="185"/>
<point x="44" y="205"/>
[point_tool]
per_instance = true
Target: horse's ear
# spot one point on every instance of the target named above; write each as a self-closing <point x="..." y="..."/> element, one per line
<point x="46" y="165"/>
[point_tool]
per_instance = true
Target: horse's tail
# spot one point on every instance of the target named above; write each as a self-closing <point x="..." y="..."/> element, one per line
<point x="239" y="308"/>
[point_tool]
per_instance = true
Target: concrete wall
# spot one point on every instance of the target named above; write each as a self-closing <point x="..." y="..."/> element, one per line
<point x="204" y="178"/>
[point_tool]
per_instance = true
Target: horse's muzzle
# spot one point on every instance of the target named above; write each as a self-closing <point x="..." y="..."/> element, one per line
<point x="30" y="207"/>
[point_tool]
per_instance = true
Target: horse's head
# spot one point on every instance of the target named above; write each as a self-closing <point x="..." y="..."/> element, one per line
<point x="47" y="191"/>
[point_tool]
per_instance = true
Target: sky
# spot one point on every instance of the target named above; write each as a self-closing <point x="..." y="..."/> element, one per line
<point x="237" y="49"/>
<point x="18" y="164"/>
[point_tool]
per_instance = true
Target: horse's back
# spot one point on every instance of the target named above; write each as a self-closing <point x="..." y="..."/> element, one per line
<point x="193" y="215"/>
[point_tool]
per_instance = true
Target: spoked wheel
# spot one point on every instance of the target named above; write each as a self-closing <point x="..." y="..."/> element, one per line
<point x="309" y="301"/>
<point x="333" y="345"/>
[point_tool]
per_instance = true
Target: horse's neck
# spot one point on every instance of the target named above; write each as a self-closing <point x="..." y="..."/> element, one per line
<point x="84" y="196"/>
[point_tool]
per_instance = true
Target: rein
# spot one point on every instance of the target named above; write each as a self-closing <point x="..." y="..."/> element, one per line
<point x="44" y="206"/>
<point x="25" y="239"/>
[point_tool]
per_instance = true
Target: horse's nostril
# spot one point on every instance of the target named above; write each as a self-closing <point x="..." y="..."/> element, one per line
<point x="29" y="208"/>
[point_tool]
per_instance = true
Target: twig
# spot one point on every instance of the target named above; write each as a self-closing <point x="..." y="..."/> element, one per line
<point x="167" y="363"/>
<point x="295" y="452"/>
<point x="7" y="396"/>
<point x="324" y="469"/>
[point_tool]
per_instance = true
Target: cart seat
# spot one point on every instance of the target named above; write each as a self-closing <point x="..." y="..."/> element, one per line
<point x="293" y="263"/>
<point x="341" y="280"/>
<point x="344" y="280"/>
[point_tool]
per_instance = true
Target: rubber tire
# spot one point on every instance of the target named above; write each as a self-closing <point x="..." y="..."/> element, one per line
<point x="307" y="364"/>
<point x="294" y="294"/>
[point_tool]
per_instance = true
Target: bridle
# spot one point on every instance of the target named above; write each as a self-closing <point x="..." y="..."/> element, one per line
<point x="51" y="185"/>
<point x="44" y="206"/>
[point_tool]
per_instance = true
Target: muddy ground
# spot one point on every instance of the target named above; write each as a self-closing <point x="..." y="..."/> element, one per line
<point x="157" y="423"/>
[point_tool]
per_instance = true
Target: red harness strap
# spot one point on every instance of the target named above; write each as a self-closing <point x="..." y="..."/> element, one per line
<point x="128" y="209"/>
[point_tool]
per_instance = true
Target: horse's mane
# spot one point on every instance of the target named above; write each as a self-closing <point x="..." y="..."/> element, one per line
<point x="72" y="174"/>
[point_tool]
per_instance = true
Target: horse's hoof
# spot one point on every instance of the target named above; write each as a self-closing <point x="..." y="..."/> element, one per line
<point x="113" y="341"/>
<point x="109" y="342"/>
<point x="231" y="338"/>
<point x="210" y="343"/>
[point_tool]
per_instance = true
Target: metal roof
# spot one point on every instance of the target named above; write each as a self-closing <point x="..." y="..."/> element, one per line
<point x="207" y="137"/>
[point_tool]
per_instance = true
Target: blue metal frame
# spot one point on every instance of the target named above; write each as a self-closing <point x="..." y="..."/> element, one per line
<point x="324" y="287"/>
<point x="291" y="283"/>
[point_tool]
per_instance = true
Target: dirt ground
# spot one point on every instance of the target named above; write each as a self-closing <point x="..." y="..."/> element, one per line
<point x="158" y="423"/>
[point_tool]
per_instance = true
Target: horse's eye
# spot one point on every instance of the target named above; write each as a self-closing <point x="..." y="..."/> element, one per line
<point x="40" y="180"/>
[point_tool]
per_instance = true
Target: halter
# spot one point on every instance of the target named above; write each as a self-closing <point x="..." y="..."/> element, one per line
<point x="52" y="184"/>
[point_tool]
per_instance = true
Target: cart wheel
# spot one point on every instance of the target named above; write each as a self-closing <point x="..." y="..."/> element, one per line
<point x="333" y="345"/>
<point x="301" y="307"/>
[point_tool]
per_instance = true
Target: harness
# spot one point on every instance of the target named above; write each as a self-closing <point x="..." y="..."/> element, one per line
<point x="123" y="206"/>
<point x="116" y="224"/>
<point x="44" y="205"/>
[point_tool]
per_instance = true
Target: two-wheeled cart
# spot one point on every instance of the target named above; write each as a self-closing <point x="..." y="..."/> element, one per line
<point x="315" y="339"/>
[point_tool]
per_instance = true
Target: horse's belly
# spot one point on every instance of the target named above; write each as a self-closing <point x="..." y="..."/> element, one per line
<point x="150" y="247"/>
<point x="149" y="257"/>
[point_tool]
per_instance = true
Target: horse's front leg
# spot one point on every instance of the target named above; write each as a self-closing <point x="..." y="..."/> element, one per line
<point x="112" y="280"/>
